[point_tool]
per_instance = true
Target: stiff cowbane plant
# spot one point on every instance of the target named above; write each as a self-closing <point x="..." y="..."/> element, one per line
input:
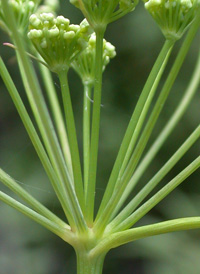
<point x="58" y="46"/>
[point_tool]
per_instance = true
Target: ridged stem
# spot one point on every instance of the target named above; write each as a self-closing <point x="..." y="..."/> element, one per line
<point x="86" y="131"/>
<point x="89" y="265"/>
<point x="58" y="118"/>
<point x="90" y="194"/>
<point x="73" y="142"/>
<point x="167" y="130"/>
<point x="129" y="139"/>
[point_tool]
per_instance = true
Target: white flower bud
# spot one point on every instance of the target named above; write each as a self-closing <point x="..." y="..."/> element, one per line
<point x="57" y="41"/>
<point x="34" y="34"/>
<point x="69" y="35"/>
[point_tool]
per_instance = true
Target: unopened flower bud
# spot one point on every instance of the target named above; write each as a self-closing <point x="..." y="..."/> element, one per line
<point x="56" y="40"/>
<point x="84" y="64"/>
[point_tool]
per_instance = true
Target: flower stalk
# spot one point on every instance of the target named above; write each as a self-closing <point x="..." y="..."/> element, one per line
<point x="78" y="182"/>
<point x="90" y="194"/>
<point x="60" y="46"/>
<point x="86" y="131"/>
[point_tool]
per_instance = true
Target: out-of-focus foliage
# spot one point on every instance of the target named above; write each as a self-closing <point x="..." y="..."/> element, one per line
<point x="27" y="248"/>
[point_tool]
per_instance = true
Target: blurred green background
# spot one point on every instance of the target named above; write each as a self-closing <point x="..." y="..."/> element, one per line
<point x="27" y="248"/>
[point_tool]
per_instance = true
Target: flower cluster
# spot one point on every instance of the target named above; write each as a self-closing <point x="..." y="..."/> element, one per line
<point x="56" y="40"/>
<point x="84" y="64"/>
<point x="173" y="16"/>
<point x="100" y="13"/>
<point x="22" y="10"/>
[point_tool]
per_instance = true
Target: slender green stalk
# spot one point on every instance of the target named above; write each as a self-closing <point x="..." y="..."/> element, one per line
<point x="155" y="75"/>
<point x="56" y="229"/>
<point x="106" y="215"/>
<point x="176" y="116"/>
<point x="72" y="208"/>
<point x="160" y="102"/>
<point x="86" y="131"/>
<point x="29" y="199"/>
<point x="90" y="194"/>
<point x="56" y="110"/>
<point x="33" y="134"/>
<point x="144" y="112"/>
<point x="157" y="178"/>
<point x="43" y="120"/>
<point x="120" y="238"/>
<point x="51" y="143"/>
<point x="159" y="196"/>
<point x="69" y="116"/>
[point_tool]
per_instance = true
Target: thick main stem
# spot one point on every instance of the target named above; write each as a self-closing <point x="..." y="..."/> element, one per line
<point x="89" y="265"/>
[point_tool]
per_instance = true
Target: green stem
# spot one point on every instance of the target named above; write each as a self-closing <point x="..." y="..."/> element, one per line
<point x="29" y="199"/>
<point x="120" y="238"/>
<point x="56" y="110"/>
<point x="159" y="196"/>
<point x="105" y="216"/>
<point x="42" y="117"/>
<point x="160" y="103"/>
<point x="90" y="194"/>
<point x="156" y="179"/>
<point x="155" y="75"/>
<point x="32" y="134"/>
<point x="140" y="122"/>
<point x="64" y="233"/>
<point x="89" y="265"/>
<point x="73" y="143"/>
<point x="86" y="131"/>
<point x="72" y="208"/>
<point x="66" y="189"/>
<point x="175" y="118"/>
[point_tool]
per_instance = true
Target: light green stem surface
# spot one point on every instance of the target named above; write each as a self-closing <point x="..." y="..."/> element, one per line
<point x="86" y="131"/>
<point x="167" y="47"/>
<point x="159" y="196"/>
<point x="106" y="215"/>
<point x="120" y="238"/>
<point x="126" y="147"/>
<point x="61" y="159"/>
<point x="73" y="142"/>
<point x="87" y="264"/>
<point x="55" y="228"/>
<point x="162" y="137"/>
<point x="29" y="199"/>
<point x="71" y="205"/>
<point x="56" y="110"/>
<point x="32" y="132"/>
<point x="90" y="194"/>
<point x="156" y="179"/>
